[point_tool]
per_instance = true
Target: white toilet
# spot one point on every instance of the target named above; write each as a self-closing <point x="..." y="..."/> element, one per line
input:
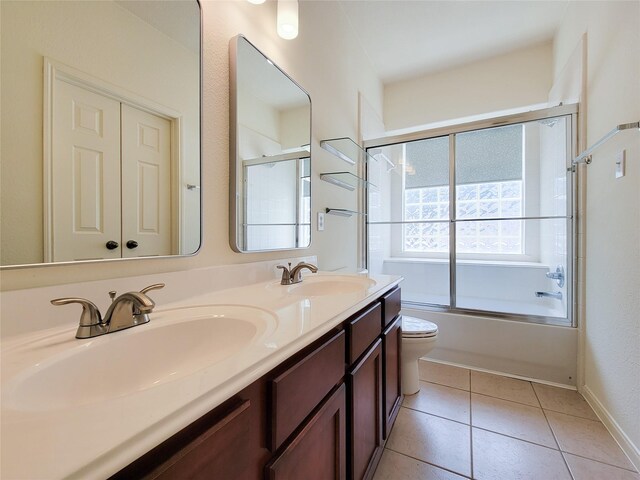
<point x="418" y="338"/>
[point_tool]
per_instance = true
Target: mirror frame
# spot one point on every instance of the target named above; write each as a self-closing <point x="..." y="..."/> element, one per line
<point x="234" y="147"/>
<point x="186" y="255"/>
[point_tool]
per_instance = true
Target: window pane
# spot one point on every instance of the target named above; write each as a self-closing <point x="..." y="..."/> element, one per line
<point x="510" y="287"/>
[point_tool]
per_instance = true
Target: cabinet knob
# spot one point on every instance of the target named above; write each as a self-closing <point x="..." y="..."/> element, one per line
<point x="112" y="245"/>
<point x="132" y="244"/>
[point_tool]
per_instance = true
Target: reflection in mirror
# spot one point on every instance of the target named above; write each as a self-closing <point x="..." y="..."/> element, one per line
<point x="270" y="164"/>
<point x="100" y="130"/>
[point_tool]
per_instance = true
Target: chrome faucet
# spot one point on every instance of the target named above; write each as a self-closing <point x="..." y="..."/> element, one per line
<point x="558" y="275"/>
<point x="557" y="295"/>
<point x="127" y="310"/>
<point x="294" y="275"/>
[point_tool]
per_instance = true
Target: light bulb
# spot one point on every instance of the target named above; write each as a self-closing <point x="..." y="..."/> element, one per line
<point x="287" y="19"/>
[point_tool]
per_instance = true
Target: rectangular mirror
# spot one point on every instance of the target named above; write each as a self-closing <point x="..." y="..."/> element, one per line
<point x="270" y="154"/>
<point x="100" y="150"/>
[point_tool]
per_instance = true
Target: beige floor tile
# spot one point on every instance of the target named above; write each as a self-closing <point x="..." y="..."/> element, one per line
<point x="585" y="469"/>
<point x="394" y="466"/>
<point x="442" y="374"/>
<point x="432" y="439"/>
<point x="510" y="418"/>
<point x="586" y="438"/>
<point x="496" y="457"/>
<point x="506" y="388"/>
<point x="439" y="400"/>
<point x="563" y="400"/>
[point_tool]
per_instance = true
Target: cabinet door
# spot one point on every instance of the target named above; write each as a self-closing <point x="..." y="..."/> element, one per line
<point x="365" y="413"/>
<point x="391" y="349"/>
<point x="318" y="450"/>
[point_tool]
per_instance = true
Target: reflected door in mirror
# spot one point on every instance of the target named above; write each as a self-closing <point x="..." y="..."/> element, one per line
<point x="114" y="194"/>
<point x="111" y="192"/>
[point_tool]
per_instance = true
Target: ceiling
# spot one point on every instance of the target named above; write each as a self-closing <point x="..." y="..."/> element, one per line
<point x="410" y="38"/>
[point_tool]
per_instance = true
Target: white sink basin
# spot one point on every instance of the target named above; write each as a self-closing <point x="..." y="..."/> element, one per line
<point x="176" y="343"/>
<point x="322" y="285"/>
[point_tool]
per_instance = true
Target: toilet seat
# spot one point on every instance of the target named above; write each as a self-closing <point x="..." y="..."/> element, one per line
<point x="413" y="327"/>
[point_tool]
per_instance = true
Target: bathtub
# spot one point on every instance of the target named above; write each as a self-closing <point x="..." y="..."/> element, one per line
<point x="533" y="351"/>
<point x="542" y="348"/>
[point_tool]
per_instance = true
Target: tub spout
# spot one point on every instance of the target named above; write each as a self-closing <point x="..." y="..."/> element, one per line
<point x="556" y="295"/>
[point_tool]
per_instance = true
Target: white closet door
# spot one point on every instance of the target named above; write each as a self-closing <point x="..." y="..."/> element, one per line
<point x="85" y="174"/>
<point x="146" y="183"/>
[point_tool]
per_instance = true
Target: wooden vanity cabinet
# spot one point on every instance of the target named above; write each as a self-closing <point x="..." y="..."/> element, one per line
<point x="322" y="414"/>
<point x="364" y="382"/>
<point x="226" y="443"/>
<point x="319" y="449"/>
<point x="391" y="374"/>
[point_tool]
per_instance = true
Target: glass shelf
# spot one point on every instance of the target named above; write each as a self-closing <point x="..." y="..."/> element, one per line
<point x="346" y="149"/>
<point x="345" y="180"/>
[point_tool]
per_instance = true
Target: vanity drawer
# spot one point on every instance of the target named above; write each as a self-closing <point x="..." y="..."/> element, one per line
<point x="390" y="306"/>
<point x="362" y="331"/>
<point x="297" y="391"/>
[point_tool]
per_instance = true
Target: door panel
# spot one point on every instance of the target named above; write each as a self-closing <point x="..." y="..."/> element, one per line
<point x="146" y="183"/>
<point x="85" y="174"/>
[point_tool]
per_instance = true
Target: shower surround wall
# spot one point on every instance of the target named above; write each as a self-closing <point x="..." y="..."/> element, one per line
<point x="605" y="75"/>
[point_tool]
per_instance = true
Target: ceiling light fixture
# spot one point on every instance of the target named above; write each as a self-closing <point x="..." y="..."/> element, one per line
<point x="257" y="2"/>
<point x="287" y="22"/>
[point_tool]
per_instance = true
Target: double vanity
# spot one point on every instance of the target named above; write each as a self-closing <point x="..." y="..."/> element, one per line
<point x="263" y="379"/>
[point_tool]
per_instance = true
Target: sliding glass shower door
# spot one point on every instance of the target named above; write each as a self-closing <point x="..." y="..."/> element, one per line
<point x="478" y="219"/>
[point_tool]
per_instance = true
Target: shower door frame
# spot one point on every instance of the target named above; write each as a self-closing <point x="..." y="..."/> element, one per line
<point x="571" y="216"/>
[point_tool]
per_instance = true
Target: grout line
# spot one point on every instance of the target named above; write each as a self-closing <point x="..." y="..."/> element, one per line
<point x="429" y="463"/>
<point x="555" y="438"/>
<point x="509" y="400"/>
<point x="435" y="415"/>
<point x="444" y="385"/>
<point x="470" y="428"/>
<point x="516" y="438"/>
<point x="598" y="461"/>
<point x="572" y="415"/>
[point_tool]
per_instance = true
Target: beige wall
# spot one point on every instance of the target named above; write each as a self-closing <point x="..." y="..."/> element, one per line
<point x="326" y="61"/>
<point x="611" y="324"/>
<point x="517" y="79"/>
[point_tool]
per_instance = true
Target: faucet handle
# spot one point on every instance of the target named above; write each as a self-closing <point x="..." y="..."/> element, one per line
<point x="155" y="286"/>
<point x="286" y="274"/>
<point x="90" y="313"/>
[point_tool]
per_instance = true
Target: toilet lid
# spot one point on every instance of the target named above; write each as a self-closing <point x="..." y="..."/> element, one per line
<point x="417" y="327"/>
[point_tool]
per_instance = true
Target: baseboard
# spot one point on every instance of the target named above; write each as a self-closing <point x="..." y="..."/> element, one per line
<point x="618" y="434"/>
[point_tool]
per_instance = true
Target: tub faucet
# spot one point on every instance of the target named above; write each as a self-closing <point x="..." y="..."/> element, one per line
<point x="294" y="275"/>
<point x="557" y="295"/>
<point x="127" y="310"/>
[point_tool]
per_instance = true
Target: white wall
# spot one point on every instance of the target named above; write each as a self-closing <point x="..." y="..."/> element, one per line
<point x="612" y="259"/>
<point x="325" y="60"/>
<point x="507" y="81"/>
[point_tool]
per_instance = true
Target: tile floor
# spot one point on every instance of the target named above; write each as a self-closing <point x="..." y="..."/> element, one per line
<point x="468" y="424"/>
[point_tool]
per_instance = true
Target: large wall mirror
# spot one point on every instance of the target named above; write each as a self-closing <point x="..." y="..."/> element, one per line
<point x="270" y="155"/>
<point x="100" y="150"/>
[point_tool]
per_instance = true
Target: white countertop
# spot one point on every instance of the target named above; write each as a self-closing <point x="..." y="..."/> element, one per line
<point x="95" y="439"/>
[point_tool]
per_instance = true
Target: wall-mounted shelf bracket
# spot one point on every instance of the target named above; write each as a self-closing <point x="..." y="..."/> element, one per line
<point x="343" y="212"/>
